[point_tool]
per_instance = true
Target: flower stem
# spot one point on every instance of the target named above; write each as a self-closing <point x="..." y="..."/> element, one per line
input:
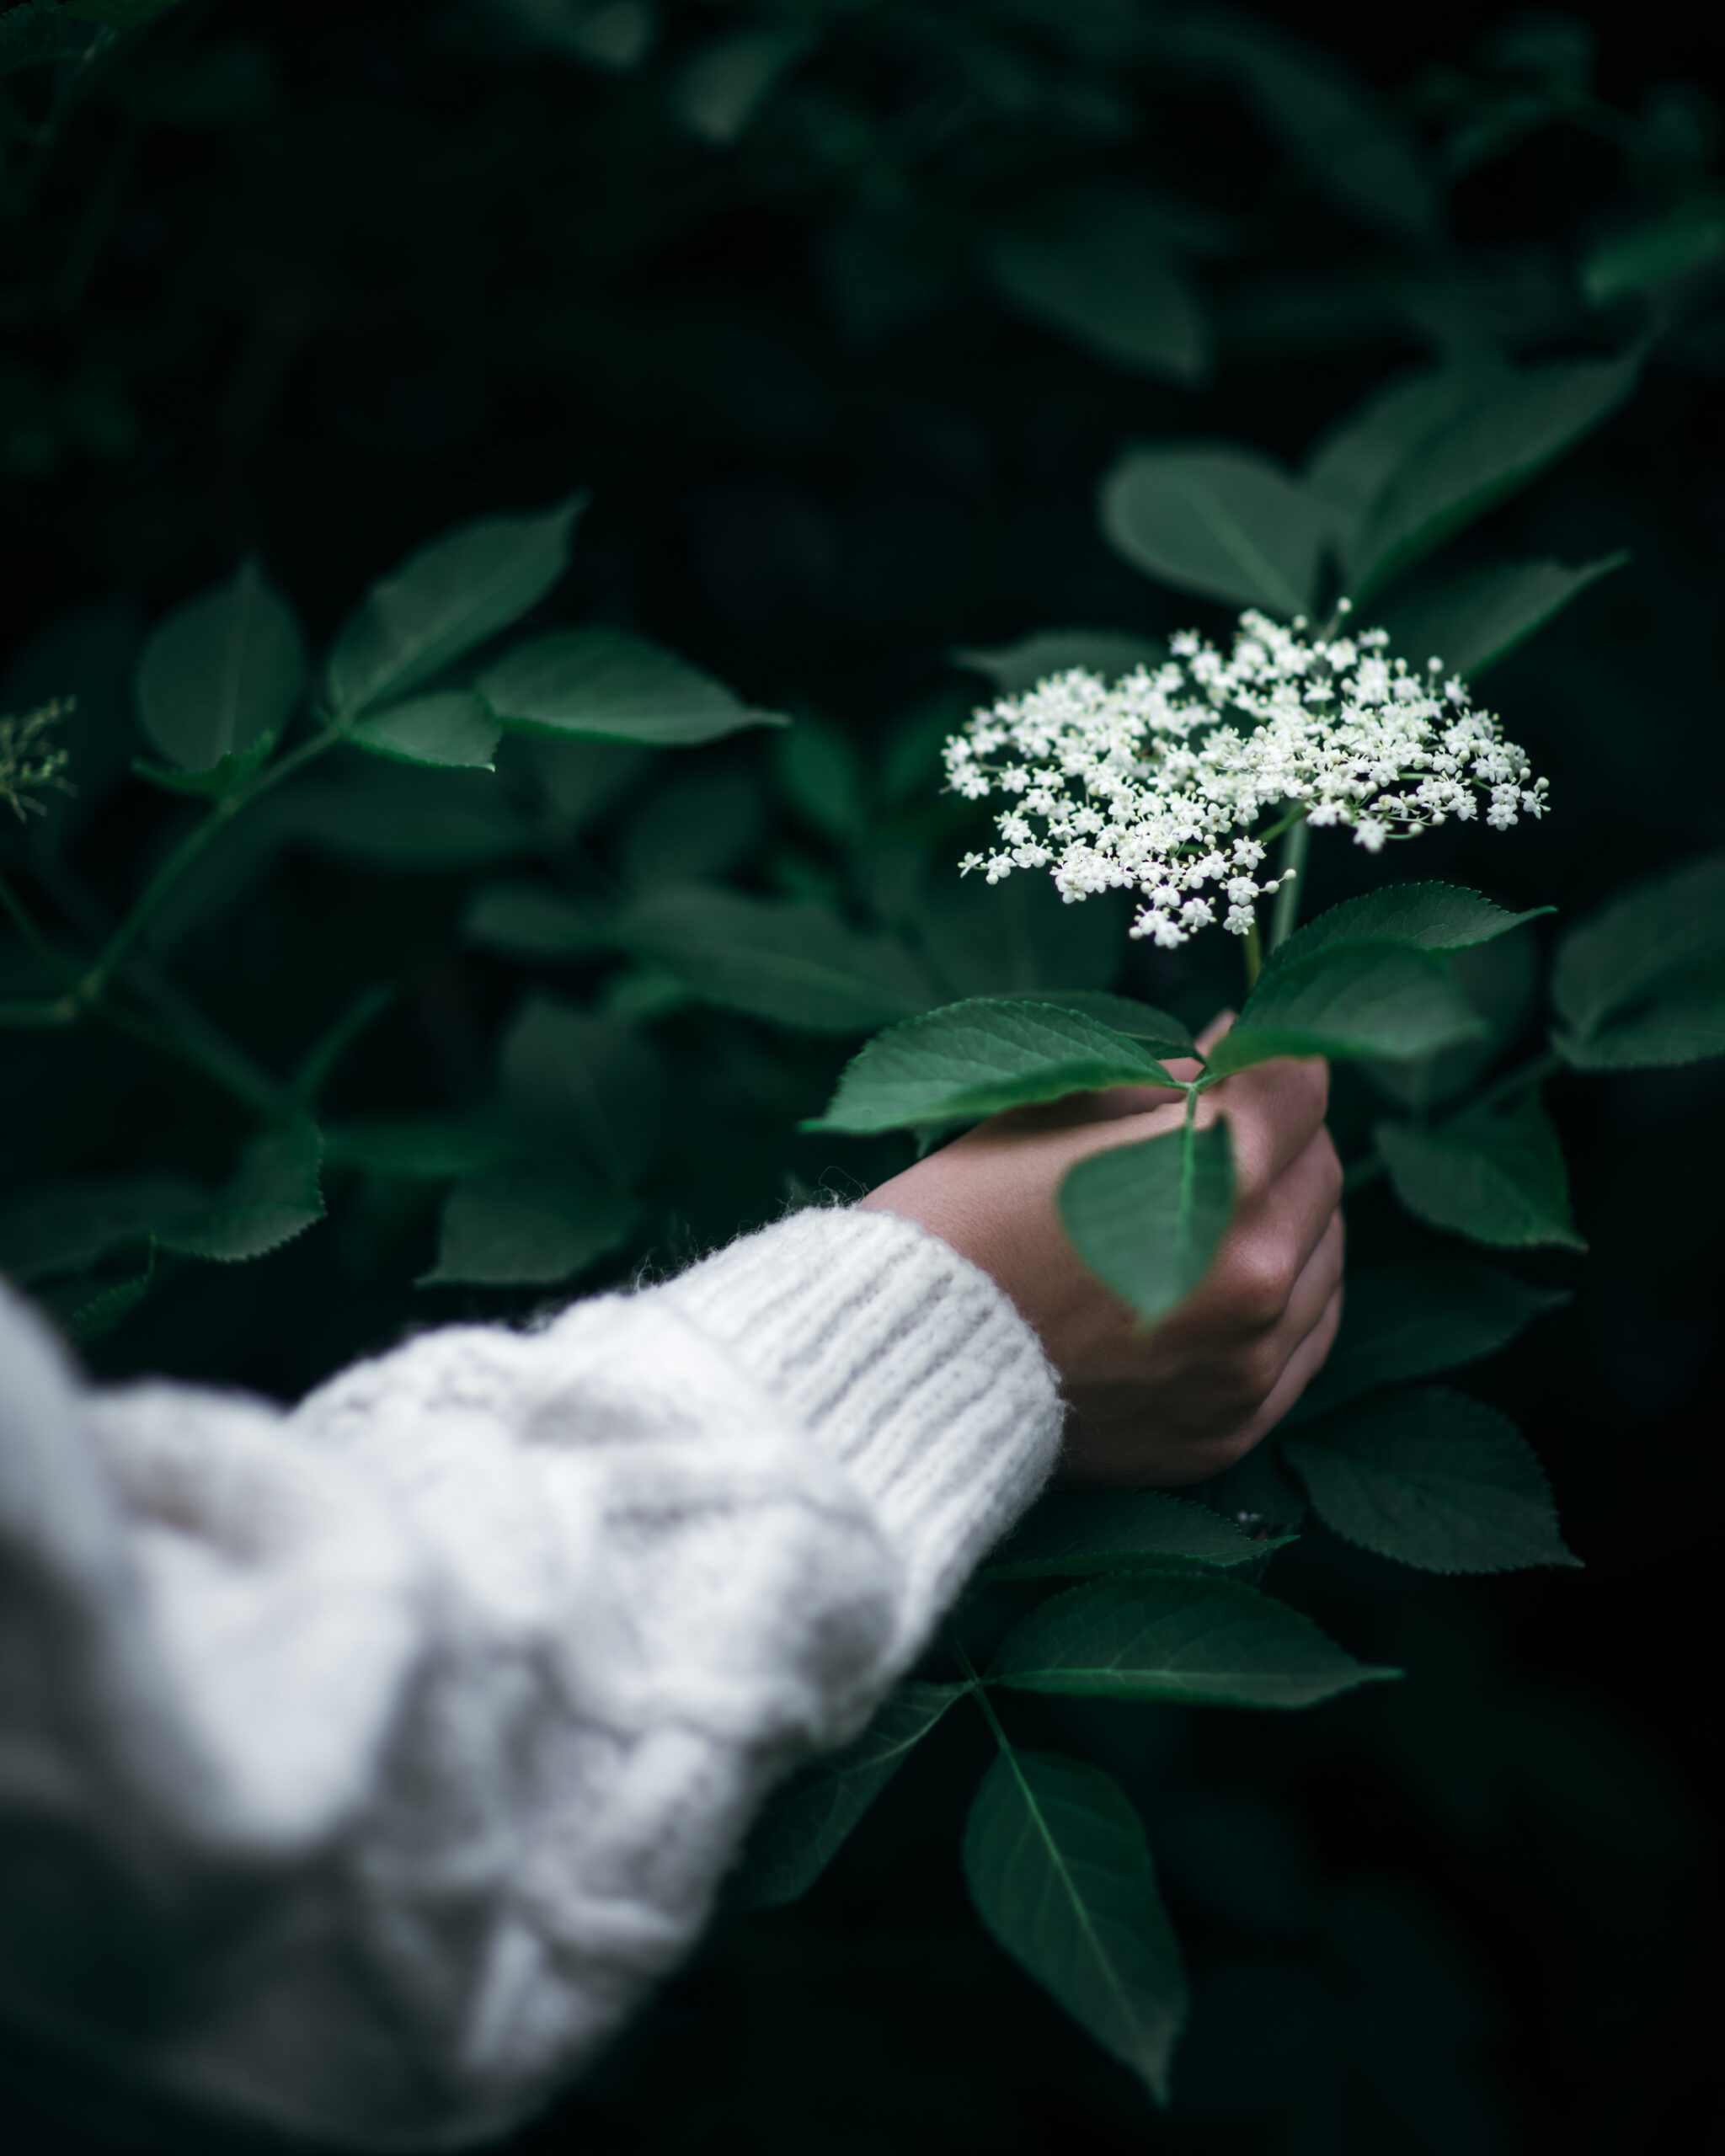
<point x="1254" y="957"/>
<point x="1285" y="913"/>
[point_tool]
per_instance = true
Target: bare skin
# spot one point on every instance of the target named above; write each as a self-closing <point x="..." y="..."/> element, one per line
<point x="1180" y="1403"/>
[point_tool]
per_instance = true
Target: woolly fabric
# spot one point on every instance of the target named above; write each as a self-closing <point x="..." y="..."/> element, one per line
<point x="362" y="1765"/>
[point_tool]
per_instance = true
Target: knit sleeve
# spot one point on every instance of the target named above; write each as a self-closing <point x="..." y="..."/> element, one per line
<point x="364" y="1764"/>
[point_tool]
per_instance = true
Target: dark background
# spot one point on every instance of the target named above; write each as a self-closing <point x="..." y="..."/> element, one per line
<point x="391" y="273"/>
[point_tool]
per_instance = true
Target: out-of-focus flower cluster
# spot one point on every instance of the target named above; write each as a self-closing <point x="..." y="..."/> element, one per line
<point x="28" y="763"/>
<point x="1160" y="783"/>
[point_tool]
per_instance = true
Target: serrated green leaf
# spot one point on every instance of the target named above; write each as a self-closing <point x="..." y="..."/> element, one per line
<point x="1164" y="1034"/>
<point x="222" y="670"/>
<point x="807" y="1820"/>
<point x="793" y="965"/>
<point x="1433" y="1479"/>
<point x="66" y="1227"/>
<point x="1500" y="1179"/>
<point x="1482" y="617"/>
<point x="417" y="1148"/>
<point x="1095" y="264"/>
<point x="532" y="920"/>
<point x="1013" y="668"/>
<point x="1412" y="1320"/>
<point x="1356" y="997"/>
<point x="599" y="683"/>
<point x="527" y="1227"/>
<point x="452" y="728"/>
<point x="442" y="600"/>
<point x="1682" y="1022"/>
<point x="1638" y="943"/>
<point x="275" y="1196"/>
<point x="1147" y="1218"/>
<point x="1428" y="916"/>
<point x="1683" y="238"/>
<point x="1176" y="1635"/>
<point x="97" y="1317"/>
<point x="1223" y="522"/>
<point x="1060" y="1872"/>
<point x="975" y="1058"/>
<point x="221" y="780"/>
<point x="1496" y="442"/>
<point x="1077" y="1532"/>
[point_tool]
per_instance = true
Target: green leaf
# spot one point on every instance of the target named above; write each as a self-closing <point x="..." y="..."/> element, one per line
<point x="1501" y="979"/>
<point x="38" y="31"/>
<point x="532" y="920"/>
<point x="1223" y="522"/>
<point x="1495" y="442"/>
<point x="444" y="599"/>
<point x="417" y="1148"/>
<point x="1433" y="1479"/>
<point x="1679" y="239"/>
<point x="222" y="671"/>
<point x="580" y="1083"/>
<point x="1180" y="1636"/>
<point x="1095" y="264"/>
<point x="728" y="83"/>
<point x="93" y="1320"/>
<point x="214" y="784"/>
<point x="527" y="1227"/>
<point x="807" y="1820"/>
<point x="1482" y="617"/>
<point x="1147" y="1218"/>
<point x="600" y="683"/>
<point x="1353" y="998"/>
<point x="1018" y="938"/>
<point x="1498" y="1178"/>
<point x="1057" y="1866"/>
<point x="275" y="1196"/>
<point x="1357" y="459"/>
<point x="452" y="727"/>
<point x="821" y="774"/>
<point x="1013" y="668"/>
<point x="1077" y="1532"/>
<point x="795" y="965"/>
<point x="397" y="817"/>
<point x="1638" y="943"/>
<point x="1428" y="916"/>
<point x="973" y="1059"/>
<point x="1412" y="1320"/>
<point x="66" y="1227"/>
<point x="1122" y="1014"/>
<point x="1683" y="1022"/>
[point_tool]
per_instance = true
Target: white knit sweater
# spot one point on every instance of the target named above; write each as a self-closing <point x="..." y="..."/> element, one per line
<point x="362" y="1765"/>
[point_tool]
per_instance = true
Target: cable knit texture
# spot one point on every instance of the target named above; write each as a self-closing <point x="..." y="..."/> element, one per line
<point x="360" y="1766"/>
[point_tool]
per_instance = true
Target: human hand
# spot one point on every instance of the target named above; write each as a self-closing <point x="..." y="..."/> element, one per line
<point x="1181" y="1402"/>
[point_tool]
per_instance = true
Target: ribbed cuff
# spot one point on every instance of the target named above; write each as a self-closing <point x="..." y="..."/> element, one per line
<point x="906" y="1364"/>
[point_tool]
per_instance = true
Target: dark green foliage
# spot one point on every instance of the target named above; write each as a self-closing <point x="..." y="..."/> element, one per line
<point x="1074" y="1533"/>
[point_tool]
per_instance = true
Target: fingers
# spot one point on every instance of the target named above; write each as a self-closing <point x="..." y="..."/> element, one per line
<point x="1273" y="1111"/>
<point x="1302" y="1366"/>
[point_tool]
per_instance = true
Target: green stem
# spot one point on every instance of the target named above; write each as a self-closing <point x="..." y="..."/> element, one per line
<point x="1285" y="912"/>
<point x="979" y="1692"/>
<point x="188" y="853"/>
<point x="22" y="1017"/>
<point x="23" y="921"/>
<point x="1254" y="955"/>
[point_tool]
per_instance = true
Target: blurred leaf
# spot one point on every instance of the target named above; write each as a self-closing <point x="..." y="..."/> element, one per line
<point x="1499" y="1178"/>
<point x="1640" y="942"/>
<point x="1501" y="979"/>
<point x="578" y="777"/>
<point x="795" y="965"/>
<point x="97" y="1317"/>
<point x="66" y="1227"/>
<point x="533" y="920"/>
<point x="1433" y="1479"/>
<point x="416" y="1148"/>
<point x="1180" y="1636"/>
<point x="1683" y="1021"/>
<point x="1060" y="1872"/>
<point x="725" y="85"/>
<point x="1018" y="938"/>
<point x="1497" y="440"/>
<point x="576" y="1082"/>
<point x="1350" y="998"/>
<point x="231" y="84"/>
<point x="1354" y="463"/>
<point x="222" y="671"/>
<point x="821" y="773"/>
<point x="973" y="1059"/>
<point x="1013" y="668"/>
<point x="1402" y="1321"/>
<point x="614" y="34"/>
<point x="41" y="31"/>
<point x="526" y="1227"/>
<point x="215" y="783"/>
<point x="120" y="15"/>
<point x="1223" y="522"/>
<point x="1428" y="916"/>
<point x="600" y="682"/>
<point x="275" y="1196"/>
<point x="1684" y="237"/>
<point x="696" y="826"/>
<point x="1096" y="265"/>
<point x="444" y="599"/>
<point x="1147" y="1218"/>
<point x="1482" y="617"/>
<point x="808" y="1820"/>
<point x="1076" y="1531"/>
<point x="452" y="727"/>
<point x="397" y="817"/>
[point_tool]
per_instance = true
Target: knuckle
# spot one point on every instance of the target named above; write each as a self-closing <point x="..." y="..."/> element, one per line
<point x="1264" y="1281"/>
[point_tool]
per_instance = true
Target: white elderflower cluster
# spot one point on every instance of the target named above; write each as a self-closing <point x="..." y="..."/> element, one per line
<point x="1159" y="784"/>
